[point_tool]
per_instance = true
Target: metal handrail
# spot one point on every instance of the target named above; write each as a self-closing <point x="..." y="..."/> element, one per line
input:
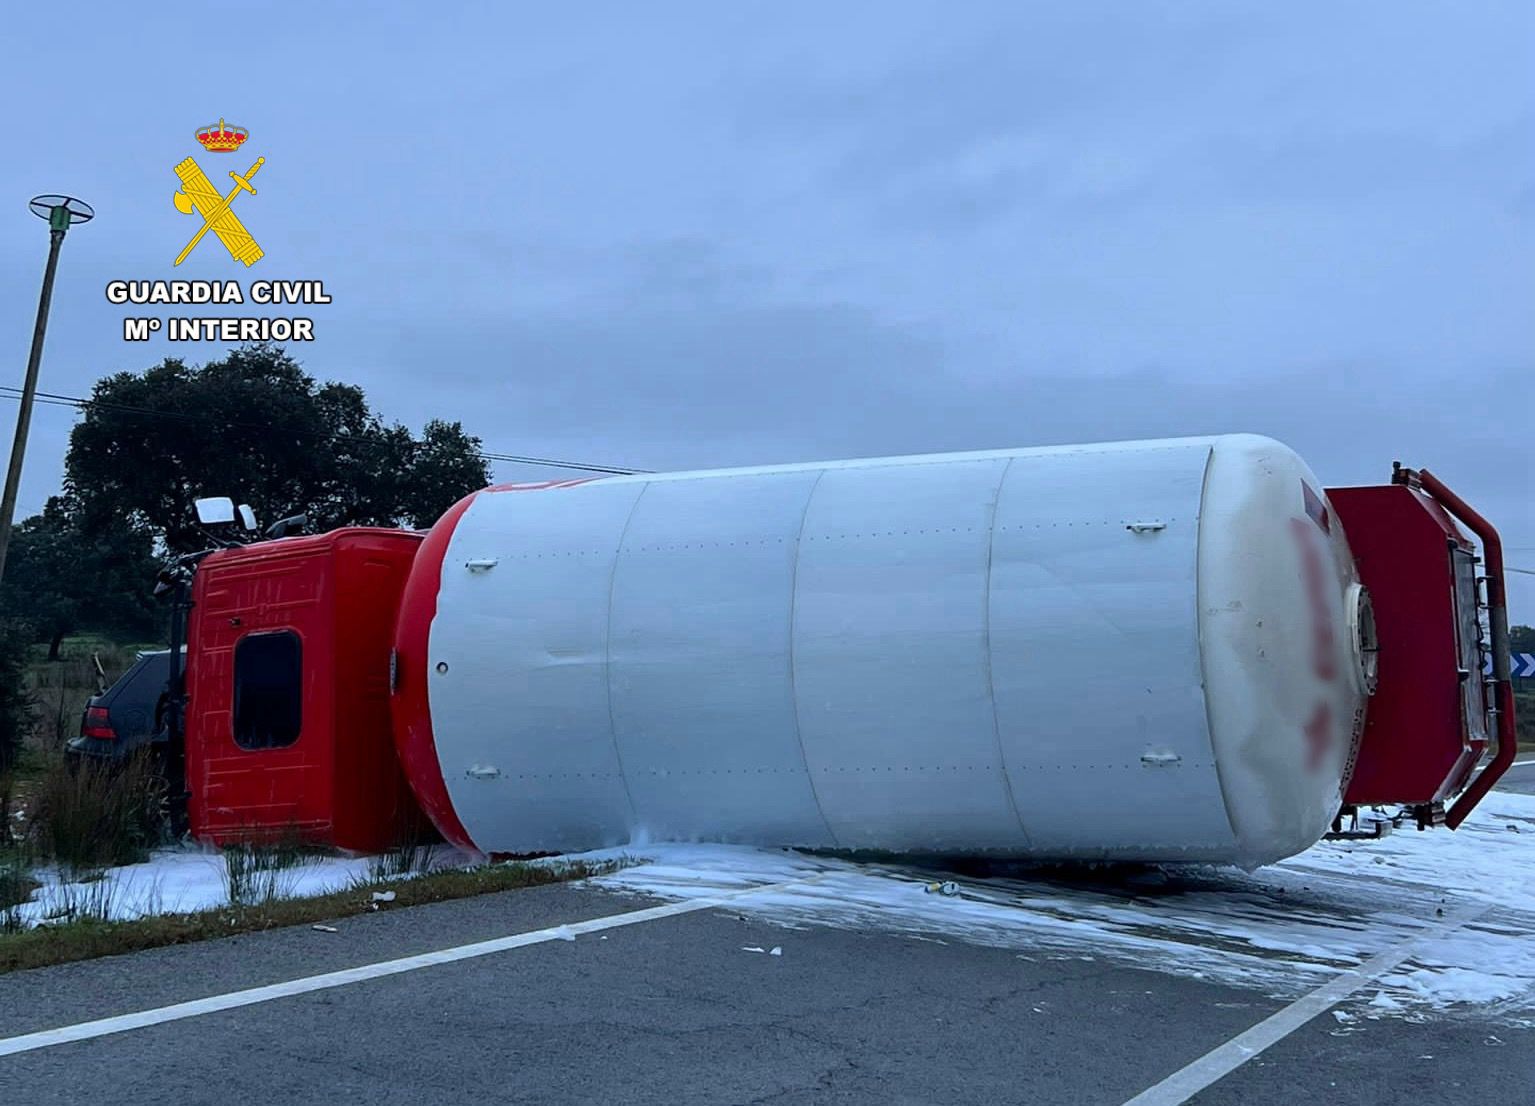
<point x="1497" y="618"/>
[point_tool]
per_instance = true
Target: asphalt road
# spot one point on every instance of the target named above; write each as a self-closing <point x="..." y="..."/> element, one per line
<point x="674" y="1010"/>
<point x="1521" y="777"/>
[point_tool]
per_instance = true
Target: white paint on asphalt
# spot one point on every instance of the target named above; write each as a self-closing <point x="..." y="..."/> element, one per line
<point x="1220" y="1062"/>
<point x="102" y="1027"/>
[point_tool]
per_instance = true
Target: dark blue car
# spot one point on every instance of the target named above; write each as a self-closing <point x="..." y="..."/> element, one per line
<point x="126" y="716"/>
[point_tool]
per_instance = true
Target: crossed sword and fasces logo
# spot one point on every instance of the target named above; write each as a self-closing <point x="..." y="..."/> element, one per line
<point x="197" y="192"/>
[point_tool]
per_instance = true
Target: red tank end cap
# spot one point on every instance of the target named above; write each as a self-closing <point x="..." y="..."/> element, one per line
<point x="412" y="714"/>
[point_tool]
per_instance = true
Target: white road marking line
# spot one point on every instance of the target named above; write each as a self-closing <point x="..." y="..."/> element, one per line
<point x="1219" y="1062"/>
<point x="1522" y="763"/>
<point x="83" y="1031"/>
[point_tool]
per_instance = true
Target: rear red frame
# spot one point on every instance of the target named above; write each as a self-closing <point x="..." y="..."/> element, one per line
<point x="1418" y="748"/>
<point x="1502" y="684"/>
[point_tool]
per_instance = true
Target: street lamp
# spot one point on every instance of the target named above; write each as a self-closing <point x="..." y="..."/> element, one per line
<point x="62" y="212"/>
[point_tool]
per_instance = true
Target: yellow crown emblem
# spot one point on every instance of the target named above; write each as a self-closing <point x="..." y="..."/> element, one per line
<point x="219" y="139"/>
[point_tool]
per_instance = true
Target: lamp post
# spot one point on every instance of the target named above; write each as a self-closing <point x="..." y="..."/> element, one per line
<point x="62" y="212"/>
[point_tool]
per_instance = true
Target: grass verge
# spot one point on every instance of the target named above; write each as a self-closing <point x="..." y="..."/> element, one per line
<point x="90" y="938"/>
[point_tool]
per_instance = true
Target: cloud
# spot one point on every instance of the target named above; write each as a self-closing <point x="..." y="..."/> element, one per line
<point x="777" y="232"/>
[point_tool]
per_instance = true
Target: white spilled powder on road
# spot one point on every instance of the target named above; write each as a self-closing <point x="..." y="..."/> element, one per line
<point x="1284" y="929"/>
<point x="183" y="881"/>
<point x="173" y="881"/>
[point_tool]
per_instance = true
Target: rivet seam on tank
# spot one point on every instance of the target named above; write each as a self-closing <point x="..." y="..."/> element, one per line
<point x="1145" y="527"/>
<point x="482" y="564"/>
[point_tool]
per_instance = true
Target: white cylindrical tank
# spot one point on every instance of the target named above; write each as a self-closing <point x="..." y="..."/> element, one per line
<point x="1139" y="651"/>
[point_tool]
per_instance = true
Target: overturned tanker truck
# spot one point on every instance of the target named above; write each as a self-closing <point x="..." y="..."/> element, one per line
<point x="1179" y="650"/>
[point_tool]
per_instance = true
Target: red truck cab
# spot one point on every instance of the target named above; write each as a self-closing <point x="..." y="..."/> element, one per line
<point x="287" y="721"/>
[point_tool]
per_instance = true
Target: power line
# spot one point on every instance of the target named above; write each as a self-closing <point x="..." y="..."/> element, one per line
<point x="82" y="403"/>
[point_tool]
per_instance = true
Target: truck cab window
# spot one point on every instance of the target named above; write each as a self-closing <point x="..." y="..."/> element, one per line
<point x="268" y="690"/>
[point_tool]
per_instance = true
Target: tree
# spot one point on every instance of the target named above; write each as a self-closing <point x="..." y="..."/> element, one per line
<point x="256" y="427"/>
<point x="445" y="466"/>
<point x="64" y="575"/>
<point x="15" y="707"/>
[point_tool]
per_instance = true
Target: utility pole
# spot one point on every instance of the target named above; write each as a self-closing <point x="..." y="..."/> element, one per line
<point x="61" y="212"/>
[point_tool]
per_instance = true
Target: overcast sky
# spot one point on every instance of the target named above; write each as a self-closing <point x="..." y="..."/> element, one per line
<point x="711" y="234"/>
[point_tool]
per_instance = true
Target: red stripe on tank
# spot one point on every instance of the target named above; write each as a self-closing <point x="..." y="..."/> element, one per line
<point x="543" y="485"/>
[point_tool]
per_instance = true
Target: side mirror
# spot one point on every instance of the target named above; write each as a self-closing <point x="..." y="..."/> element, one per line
<point x="214" y="510"/>
<point x="248" y="518"/>
<point x="283" y="527"/>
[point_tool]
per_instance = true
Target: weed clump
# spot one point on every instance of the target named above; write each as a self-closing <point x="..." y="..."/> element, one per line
<point x="259" y="872"/>
<point x="92" y="815"/>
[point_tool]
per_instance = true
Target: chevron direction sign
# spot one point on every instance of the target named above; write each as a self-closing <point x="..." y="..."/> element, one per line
<point x="1519" y="664"/>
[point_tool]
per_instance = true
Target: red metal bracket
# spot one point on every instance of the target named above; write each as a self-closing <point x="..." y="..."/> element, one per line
<point x="1497" y="617"/>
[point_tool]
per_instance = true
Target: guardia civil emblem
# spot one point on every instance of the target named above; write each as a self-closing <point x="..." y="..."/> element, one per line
<point x="198" y="195"/>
